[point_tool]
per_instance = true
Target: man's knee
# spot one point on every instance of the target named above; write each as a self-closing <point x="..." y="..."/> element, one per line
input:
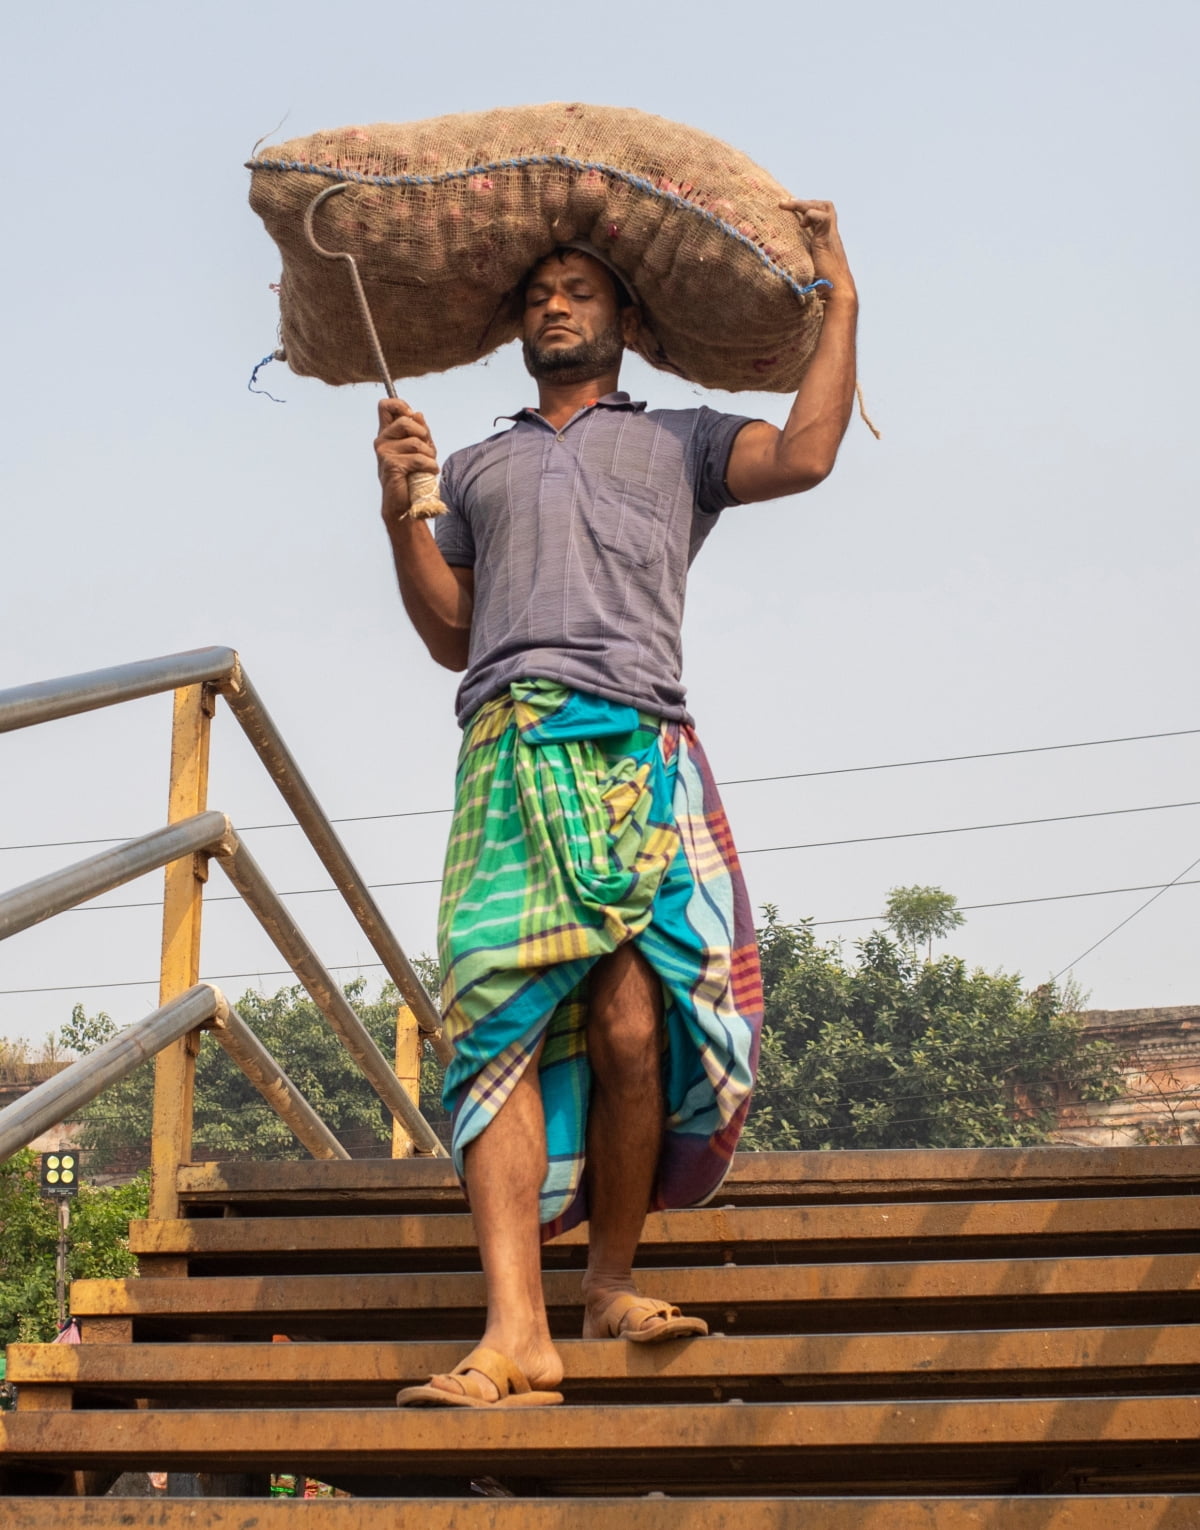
<point x="624" y="1014"/>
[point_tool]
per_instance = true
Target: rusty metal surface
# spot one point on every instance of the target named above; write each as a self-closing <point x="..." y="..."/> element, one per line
<point x="285" y="934"/>
<point x="748" y="1233"/>
<point x="756" y="1178"/>
<point x="795" y="1290"/>
<point x="248" y="1052"/>
<point x="758" y="1367"/>
<point x="265" y="738"/>
<point x="1094" y="1512"/>
<point x="690" y="1446"/>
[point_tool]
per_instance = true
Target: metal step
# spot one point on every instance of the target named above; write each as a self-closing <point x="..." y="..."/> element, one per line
<point x="998" y="1445"/>
<point x="755" y="1179"/>
<point x="712" y="1235"/>
<point x="1091" y="1512"/>
<point x="1061" y="1362"/>
<point x="809" y="1298"/>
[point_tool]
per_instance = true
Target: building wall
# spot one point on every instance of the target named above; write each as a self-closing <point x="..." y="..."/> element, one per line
<point x="1161" y="1098"/>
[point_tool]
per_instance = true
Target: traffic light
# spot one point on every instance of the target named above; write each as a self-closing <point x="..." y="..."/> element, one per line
<point x="60" y="1173"/>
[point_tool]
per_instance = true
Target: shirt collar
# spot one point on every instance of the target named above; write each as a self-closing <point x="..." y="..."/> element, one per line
<point x="609" y="401"/>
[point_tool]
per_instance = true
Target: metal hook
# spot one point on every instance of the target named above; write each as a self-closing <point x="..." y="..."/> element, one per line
<point x="359" y="295"/>
<point x="422" y="487"/>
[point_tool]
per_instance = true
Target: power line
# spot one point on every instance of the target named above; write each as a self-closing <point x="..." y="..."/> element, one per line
<point x="968" y="908"/>
<point x="816" y="844"/>
<point x="970" y="828"/>
<point x="1102" y="892"/>
<point x="796" y="775"/>
<point x="954" y="759"/>
<point x="216" y="977"/>
<point x="1175" y="882"/>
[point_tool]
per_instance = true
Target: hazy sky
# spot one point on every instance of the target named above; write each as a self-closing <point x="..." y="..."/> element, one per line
<point x="1013" y="565"/>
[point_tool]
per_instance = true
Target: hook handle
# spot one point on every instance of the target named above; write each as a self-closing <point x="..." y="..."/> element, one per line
<point x="424" y="503"/>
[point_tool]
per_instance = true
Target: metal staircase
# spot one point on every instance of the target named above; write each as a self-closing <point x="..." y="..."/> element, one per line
<point x="934" y="1339"/>
<point x="899" y="1340"/>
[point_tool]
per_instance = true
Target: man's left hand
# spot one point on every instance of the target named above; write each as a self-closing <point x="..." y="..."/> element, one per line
<point x="819" y="220"/>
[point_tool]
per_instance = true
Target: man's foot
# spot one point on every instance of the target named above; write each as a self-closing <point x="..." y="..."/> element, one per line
<point x="623" y="1314"/>
<point x="485" y="1379"/>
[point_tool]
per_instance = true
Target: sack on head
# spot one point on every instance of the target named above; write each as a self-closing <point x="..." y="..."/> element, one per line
<point x="445" y="217"/>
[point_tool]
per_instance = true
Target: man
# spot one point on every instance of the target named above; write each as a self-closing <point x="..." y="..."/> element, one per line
<point x="601" y="982"/>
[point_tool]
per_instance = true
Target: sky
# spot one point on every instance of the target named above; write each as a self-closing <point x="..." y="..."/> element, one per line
<point x="1012" y="566"/>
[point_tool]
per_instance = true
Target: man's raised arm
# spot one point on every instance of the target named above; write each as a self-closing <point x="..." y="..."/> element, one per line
<point x="439" y="598"/>
<point x="765" y="462"/>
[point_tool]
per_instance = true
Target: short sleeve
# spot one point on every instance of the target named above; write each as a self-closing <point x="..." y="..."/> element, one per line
<point x="452" y="531"/>
<point x="712" y="443"/>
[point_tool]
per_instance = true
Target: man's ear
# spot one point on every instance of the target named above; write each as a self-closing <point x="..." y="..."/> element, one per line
<point x="631" y="324"/>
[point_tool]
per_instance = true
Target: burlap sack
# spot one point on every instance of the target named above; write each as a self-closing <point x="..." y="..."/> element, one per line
<point x="446" y="216"/>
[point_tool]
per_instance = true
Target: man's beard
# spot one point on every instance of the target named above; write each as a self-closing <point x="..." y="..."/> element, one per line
<point x="575" y="363"/>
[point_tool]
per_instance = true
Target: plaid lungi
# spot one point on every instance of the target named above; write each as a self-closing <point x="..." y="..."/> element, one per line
<point x="580" y="824"/>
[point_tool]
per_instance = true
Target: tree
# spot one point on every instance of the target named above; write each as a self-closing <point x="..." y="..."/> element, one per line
<point x="886" y="1051"/>
<point x="98" y="1246"/>
<point x="231" y="1119"/>
<point x="920" y="915"/>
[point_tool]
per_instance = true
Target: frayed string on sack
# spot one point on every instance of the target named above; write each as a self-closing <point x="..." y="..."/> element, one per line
<point x="254" y="378"/>
<point x="862" y="412"/>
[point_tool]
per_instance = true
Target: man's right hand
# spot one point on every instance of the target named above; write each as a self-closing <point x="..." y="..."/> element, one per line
<point x="403" y="446"/>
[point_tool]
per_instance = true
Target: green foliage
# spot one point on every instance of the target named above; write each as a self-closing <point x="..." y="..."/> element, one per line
<point x="231" y="1118"/>
<point x="920" y="915"/>
<point x="888" y="1051"/>
<point x="98" y="1246"/>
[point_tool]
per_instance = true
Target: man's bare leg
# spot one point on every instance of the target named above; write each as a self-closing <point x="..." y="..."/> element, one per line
<point x="625" y="1116"/>
<point x="505" y="1167"/>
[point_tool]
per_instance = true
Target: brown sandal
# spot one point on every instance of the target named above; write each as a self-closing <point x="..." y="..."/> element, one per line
<point x="623" y="1317"/>
<point x="507" y="1378"/>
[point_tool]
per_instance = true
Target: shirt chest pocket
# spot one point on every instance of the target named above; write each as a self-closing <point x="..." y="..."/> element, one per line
<point x="629" y="520"/>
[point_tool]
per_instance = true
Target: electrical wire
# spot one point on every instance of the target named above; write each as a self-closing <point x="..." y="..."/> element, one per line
<point x="1174" y="882"/>
<point x="795" y="775"/>
<point x="817" y="844"/>
<point x="1102" y="892"/>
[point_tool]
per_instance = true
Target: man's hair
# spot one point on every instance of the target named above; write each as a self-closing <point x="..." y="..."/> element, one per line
<point x="624" y="297"/>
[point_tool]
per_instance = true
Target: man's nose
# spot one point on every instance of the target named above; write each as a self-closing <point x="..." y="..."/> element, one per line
<point x="558" y="303"/>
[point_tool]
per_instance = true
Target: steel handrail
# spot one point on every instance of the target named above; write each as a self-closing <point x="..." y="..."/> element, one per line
<point x="202" y="672"/>
<point x="269" y="909"/>
<point x="265" y="738"/>
<point x="58" y="1097"/>
<point x="245" y="1049"/>
<point x="48" y="700"/>
<point x="78" y="1085"/>
<point x="46" y="896"/>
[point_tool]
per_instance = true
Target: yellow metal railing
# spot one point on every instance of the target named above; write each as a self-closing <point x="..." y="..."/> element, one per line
<point x="193" y="837"/>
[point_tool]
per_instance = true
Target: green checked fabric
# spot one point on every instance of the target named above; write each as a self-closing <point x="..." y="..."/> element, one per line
<point x="581" y="824"/>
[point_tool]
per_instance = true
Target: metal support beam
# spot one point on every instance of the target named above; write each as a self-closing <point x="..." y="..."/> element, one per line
<point x="264" y="736"/>
<point x="175" y="1070"/>
<point x="248" y="1052"/>
<point x="50" y="895"/>
<point x="59" y="1097"/>
<point x="264" y="902"/>
<point x="408" y="1071"/>
<point x="24" y="705"/>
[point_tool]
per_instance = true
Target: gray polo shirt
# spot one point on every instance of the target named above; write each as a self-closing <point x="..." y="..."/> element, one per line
<point x="581" y="540"/>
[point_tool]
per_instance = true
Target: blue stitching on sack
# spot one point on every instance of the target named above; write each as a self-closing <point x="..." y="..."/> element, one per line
<point x="564" y="162"/>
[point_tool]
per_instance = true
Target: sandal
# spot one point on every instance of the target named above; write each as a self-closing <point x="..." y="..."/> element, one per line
<point x="625" y="1314"/>
<point x="505" y="1376"/>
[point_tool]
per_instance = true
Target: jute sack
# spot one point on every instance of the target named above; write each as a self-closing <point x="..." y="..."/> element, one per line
<point x="446" y="216"/>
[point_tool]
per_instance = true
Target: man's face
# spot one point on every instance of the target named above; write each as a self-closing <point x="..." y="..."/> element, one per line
<point x="573" y="329"/>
